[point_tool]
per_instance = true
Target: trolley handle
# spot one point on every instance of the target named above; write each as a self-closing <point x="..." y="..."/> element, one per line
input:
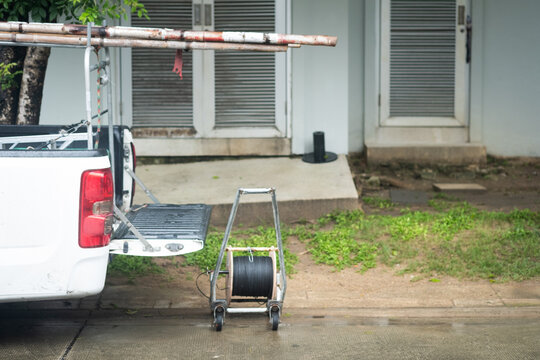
<point x="256" y="191"/>
<point x="229" y="248"/>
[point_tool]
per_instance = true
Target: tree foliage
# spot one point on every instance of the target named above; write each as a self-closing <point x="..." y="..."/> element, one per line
<point x="8" y="76"/>
<point x="22" y="75"/>
<point x="97" y="10"/>
<point x="72" y="10"/>
<point x="39" y="11"/>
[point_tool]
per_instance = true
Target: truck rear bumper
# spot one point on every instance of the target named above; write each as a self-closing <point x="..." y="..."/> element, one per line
<point x="81" y="278"/>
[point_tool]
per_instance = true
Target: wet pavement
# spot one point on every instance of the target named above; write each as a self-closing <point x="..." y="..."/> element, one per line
<point x="189" y="335"/>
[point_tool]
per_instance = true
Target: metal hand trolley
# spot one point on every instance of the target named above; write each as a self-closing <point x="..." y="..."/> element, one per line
<point x="254" y="276"/>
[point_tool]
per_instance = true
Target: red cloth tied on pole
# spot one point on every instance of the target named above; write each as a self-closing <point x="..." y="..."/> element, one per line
<point x="178" y="62"/>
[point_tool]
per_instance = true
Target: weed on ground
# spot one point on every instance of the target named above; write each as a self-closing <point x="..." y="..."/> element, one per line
<point x="451" y="238"/>
<point x="133" y="266"/>
<point x="454" y="239"/>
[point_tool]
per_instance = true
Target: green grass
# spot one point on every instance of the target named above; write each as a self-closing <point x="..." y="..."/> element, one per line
<point x="339" y="248"/>
<point x="378" y="202"/>
<point x="133" y="266"/>
<point x="453" y="238"/>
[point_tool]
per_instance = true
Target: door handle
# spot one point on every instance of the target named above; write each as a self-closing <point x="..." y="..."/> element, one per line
<point x="469" y="39"/>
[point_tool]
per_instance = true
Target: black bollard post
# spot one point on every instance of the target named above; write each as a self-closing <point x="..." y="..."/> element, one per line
<point x="319" y="154"/>
<point x="318" y="147"/>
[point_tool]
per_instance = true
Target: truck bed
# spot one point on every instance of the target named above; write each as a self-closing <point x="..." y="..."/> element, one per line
<point x="118" y="132"/>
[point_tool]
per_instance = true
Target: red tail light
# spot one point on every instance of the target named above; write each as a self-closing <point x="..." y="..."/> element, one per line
<point x="96" y="208"/>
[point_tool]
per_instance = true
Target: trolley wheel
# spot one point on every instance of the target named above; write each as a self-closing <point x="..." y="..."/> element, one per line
<point x="218" y="320"/>
<point x="275" y="319"/>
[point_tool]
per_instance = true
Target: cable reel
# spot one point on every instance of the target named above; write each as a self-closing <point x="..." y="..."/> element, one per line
<point x="251" y="276"/>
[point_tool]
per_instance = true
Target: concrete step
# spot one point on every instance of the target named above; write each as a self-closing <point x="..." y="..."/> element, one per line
<point x="459" y="188"/>
<point x="448" y="154"/>
<point x="304" y="191"/>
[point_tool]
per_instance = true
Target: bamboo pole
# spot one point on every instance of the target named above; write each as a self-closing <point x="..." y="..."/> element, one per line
<point x="135" y="43"/>
<point x="170" y="34"/>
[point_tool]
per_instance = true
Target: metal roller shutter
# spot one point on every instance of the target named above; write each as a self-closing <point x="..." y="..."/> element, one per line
<point x="422" y="58"/>
<point x="245" y="83"/>
<point x="160" y="98"/>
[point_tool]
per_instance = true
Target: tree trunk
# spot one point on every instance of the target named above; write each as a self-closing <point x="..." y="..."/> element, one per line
<point x="35" y="66"/>
<point x="9" y="98"/>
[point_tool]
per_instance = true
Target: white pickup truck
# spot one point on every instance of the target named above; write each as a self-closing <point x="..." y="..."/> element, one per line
<point x="58" y="224"/>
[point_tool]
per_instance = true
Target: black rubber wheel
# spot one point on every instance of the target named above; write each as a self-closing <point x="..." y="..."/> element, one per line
<point x="275" y="320"/>
<point x="218" y="320"/>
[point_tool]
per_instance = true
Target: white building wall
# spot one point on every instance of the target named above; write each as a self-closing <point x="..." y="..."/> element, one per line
<point x="63" y="94"/>
<point x="356" y="75"/>
<point x="320" y="76"/>
<point x="505" y="78"/>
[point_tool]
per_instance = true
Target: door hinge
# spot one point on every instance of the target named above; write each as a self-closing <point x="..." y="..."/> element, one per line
<point x="285" y="107"/>
<point x="379" y="100"/>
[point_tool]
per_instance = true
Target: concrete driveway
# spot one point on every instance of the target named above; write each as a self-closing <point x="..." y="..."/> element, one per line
<point x="185" y="335"/>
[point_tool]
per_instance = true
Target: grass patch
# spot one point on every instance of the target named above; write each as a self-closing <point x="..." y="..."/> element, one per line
<point x="378" y="202"/>
<point x="444" y="196"/>
<point x="453" y="239"/>
<point x="457" y="240"/>
<point x="133" y="266"/>
<point x="339" y="248"/>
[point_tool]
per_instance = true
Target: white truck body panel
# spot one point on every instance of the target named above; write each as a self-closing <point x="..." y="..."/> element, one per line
<point x="40" y="257"/>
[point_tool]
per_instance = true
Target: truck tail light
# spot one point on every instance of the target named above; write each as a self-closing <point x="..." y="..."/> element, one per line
<point x="96" y="208"/>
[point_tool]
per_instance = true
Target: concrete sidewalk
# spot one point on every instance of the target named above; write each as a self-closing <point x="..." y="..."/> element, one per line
<point x="304" y="191"/>
<point x="391" y="296"/>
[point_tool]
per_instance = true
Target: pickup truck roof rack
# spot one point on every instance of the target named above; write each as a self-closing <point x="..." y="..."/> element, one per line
<point x="151" y="229"/>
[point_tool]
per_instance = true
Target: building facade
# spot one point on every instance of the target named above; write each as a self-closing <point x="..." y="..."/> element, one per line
<point x="424" y="73"/>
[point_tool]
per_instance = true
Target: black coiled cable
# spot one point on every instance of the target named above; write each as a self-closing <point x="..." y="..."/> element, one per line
<point x="253" y="276"/>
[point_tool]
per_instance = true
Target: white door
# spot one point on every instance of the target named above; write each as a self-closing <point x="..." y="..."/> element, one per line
<point x="223" y="94"/>
<point x="424" y="63"/>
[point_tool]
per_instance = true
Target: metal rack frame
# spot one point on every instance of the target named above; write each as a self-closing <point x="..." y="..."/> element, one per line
<point x="274" y="306"/>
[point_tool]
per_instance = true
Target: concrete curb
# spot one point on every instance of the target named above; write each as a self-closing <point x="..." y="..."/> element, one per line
<point x="529" y="312"/>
